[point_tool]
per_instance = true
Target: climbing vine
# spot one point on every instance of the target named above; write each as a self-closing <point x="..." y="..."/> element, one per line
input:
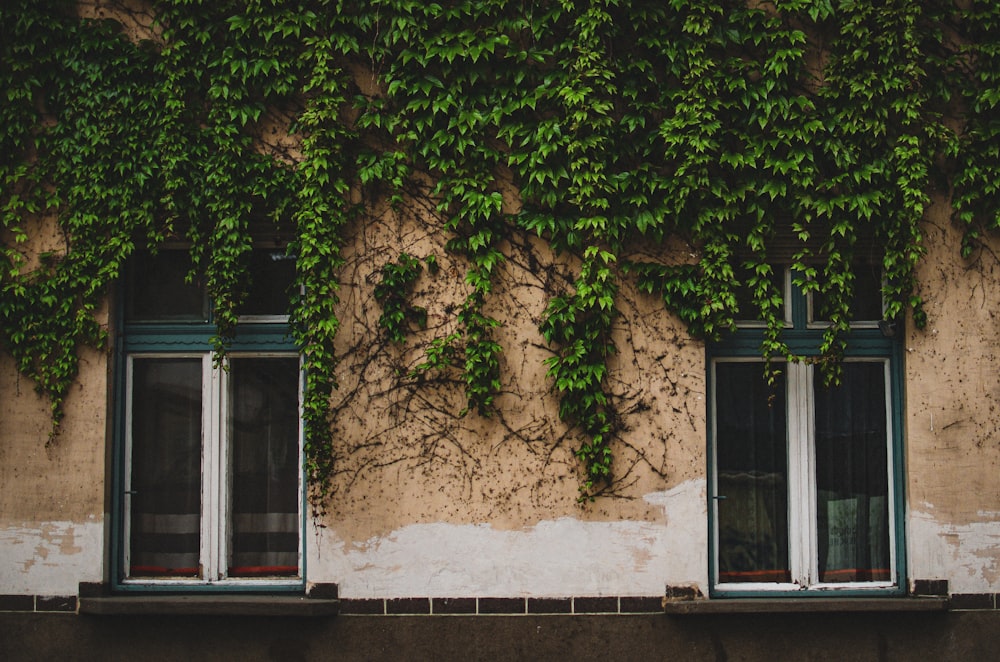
<point x="808" y="133"/>
<point x="398" y="314"/>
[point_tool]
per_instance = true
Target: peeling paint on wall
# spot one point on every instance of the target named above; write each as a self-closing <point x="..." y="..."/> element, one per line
<point x="50" y="557"/>
<point x="561" y="557"/>
<point x="967" y="554"/>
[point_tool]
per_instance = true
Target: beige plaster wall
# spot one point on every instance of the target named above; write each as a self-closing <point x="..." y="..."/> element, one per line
<point x="427" y="502"/>
<point x="952" y="415"/>
<point x="432" y="503"/>
<point x="490" y="505"/>
<point x="52" y="492"/>
<point x="408" y="453"/>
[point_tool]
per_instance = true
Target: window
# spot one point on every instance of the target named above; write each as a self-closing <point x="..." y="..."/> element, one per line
<point x="209" y="464"/>
<point x="805" y="490"/>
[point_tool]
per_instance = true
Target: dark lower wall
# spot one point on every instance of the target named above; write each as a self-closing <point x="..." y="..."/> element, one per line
<point x="965" y="636"/>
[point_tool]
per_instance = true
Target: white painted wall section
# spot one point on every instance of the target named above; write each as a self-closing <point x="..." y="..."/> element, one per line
<point x="967" y="555"/>
<point x="557" y="558"/>
<point x="50" y="558"/>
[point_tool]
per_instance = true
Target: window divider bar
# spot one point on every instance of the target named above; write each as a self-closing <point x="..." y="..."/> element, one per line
<point x="211" y="453"/>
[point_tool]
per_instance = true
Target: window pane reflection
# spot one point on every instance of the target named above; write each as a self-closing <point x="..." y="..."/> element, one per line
<point x="752" y="475"/>
<point x="866" y="301"/>
<point x="157" y="291"/>
<point x="264" y="432"/>
<point x="165" y="486"/>
<point x="749" y="312"/>
<point x="852" y="485"/>
<point x="272" y="274"/>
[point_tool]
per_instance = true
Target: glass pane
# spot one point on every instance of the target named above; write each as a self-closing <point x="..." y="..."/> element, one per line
<point x="852" y="484"/>
<point x="156" y="291"/>
<point x="165" y="486"/>
<point x="748" y="311"/>
<point x="752" y="474"/>
<point x="272" y="274"/>
<point x="265" y="469"/>
<point x="866" y="304"/>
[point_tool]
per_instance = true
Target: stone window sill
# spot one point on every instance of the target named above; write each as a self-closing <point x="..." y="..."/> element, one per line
<point x="804" y="605"/>
<point x="319" y="600"/>
<point x="208" y="605"/>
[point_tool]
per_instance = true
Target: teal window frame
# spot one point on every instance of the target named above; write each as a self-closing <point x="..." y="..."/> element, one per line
<point x="867" y="340"/>
<point x="256" y="336"/>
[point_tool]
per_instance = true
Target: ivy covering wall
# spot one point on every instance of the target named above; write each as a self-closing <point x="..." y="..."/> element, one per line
<point x="822" y="126"/>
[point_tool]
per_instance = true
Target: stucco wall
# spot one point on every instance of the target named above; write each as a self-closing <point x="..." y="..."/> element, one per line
<point x="952" y="415"/>
<point x="428" y="502"/>
<point x="52" y="492"/>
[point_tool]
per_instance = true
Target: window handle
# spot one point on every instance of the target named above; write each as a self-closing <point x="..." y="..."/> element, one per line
<point x="720" y="497"/>
<point x="131" y="492"/>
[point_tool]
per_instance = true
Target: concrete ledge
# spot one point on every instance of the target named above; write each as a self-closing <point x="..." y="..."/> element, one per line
<point x="958" y="636"/>
<point x="803" y="605"/>
<point x="208" y="605"/>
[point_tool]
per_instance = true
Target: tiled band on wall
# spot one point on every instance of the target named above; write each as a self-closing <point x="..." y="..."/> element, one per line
<point x="506" y="606"/>
<point x="411" y="606"/>
<point x="472" y="606"/>
<point x="974" y="601"/>
<point x="40" y="603"/>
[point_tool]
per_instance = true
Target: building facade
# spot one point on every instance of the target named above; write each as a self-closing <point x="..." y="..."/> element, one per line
<point x="432" y="505"/>
<point x="864" y="493"/>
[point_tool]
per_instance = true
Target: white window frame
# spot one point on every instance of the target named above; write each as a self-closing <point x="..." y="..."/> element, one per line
<point x="216" y="504"/>
<point x="256" y="336"/>
<point x="803" y="552"/>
